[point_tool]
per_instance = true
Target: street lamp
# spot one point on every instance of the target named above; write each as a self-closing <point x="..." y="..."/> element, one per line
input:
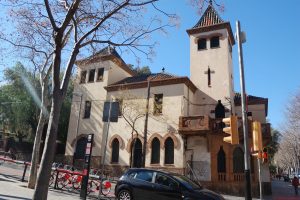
<point x="241" y="38"/>
<point x="78" y="121"/>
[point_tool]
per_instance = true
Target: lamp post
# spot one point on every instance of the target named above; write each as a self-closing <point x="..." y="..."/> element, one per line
<point x="78" y="121"/>
<point x="146" y="124"/>
<point x="241" y="39"/>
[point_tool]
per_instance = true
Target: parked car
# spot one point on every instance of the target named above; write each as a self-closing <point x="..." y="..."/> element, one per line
<point x="148" y="184"/>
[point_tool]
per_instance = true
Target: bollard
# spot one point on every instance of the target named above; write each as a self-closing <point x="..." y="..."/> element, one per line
<point x="56" y="179"/>
<point x="24" y="172"/>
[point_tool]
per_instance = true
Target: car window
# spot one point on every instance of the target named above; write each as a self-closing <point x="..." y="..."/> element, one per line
<point x="187" y="182"/>
<point x="144" y="175"/>
<point x="162" y="179"/>
<point x="131" y="175"/>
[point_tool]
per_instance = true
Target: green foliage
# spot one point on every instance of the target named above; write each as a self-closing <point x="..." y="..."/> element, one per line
<point x="274" y="144"/>
<point x="145" y="70"/>
<point x="19" y="113"/>
<point x="20" y="107"/>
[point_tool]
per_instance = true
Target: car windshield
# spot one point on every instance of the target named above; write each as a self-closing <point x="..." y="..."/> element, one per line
<point x="187" y="182"/>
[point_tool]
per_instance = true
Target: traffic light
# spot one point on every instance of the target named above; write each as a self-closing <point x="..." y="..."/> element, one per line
<point x="256" y="136"/>
<point x="265" y="155"/>
<point x="231" y="128"/>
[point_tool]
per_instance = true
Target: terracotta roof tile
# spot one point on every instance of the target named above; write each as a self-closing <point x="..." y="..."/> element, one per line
<point x="210" y="17"/>
<point x="158" y="79"/>
<point x="145" y="77"/>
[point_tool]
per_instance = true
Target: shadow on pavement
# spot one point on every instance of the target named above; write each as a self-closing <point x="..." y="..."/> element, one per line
<point x="6" y="180"/>
<point x="5" y="197"/>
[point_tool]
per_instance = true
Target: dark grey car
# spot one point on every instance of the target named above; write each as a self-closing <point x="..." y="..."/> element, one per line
<point x="147" y="184"/>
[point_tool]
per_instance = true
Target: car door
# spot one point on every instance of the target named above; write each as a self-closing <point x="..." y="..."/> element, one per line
<point x="143" y="186"/>
<point x="166" y="187"/>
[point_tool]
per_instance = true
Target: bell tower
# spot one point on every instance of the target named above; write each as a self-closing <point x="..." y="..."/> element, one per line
<point x="211" y="69"/>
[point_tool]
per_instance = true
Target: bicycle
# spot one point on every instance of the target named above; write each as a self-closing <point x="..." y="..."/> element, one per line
<point x="94" y="183"/>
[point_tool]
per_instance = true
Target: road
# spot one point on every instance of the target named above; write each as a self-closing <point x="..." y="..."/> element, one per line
<point x="283" y="191"/>
<point x="10" y="176"/>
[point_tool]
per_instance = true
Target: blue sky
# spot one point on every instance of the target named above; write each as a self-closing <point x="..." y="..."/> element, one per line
<point x="271" y="53"/>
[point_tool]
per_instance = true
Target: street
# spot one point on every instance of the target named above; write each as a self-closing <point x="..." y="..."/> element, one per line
<point x="12" y="188"/>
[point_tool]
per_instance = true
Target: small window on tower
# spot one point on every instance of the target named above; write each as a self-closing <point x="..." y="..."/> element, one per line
<point x="87" y="109"/>
<point x="158" y="103"/>
<point x="92" y="75"/>
<point x="215" y="42"/>
<point x="201" y="44"/>
<point x="100" y="74"/>
<point x="83" y="77"/>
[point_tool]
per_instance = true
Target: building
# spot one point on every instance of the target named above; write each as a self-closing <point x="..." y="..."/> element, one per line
<point x="184" y="131"/>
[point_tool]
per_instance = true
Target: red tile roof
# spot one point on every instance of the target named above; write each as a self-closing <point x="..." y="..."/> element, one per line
<point x="210" y="17"/>
<point x="158" y="79"/>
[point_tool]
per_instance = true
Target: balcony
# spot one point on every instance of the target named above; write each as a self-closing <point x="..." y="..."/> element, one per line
<point x="199" y="125"/>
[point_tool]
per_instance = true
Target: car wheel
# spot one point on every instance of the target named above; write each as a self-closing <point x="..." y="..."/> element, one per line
<point x="124" y="195"/>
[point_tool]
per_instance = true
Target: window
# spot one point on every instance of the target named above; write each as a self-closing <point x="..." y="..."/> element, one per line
<point x="92" y="75"/>
<point x="100" y="74"/>
<point x="80" y="148"/>
<point x="164" y="180"/>
<point x="238" y="160"/>
<point x="169" y="151"/>
<point x="155" y="151"/>
<point x="120" y="106"/>
<point x="83" y="77"/>
<point x="87" y="109"/>
<point x="201" y="44"/>
<point x="158" y="103"/>
<point x="221" y="161"/>
<point x="145" y="176"/>
<point x="214" y="42"/>
<point x="115" y="151"/>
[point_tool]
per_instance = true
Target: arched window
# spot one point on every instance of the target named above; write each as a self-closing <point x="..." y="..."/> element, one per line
<point x="169" y="151"/>
<point x="115" y="151"/>
<point x="80" y="148"/>
<point x="155" y="151"/>
<point x="221" y="161"/>
<point x="137" y="153"/>
<point x="238" y="160"/>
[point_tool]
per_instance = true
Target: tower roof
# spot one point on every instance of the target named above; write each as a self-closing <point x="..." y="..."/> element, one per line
<point x="211" y="21"/>
<point x="210" y="17"/>
<point x="107" y="53"/>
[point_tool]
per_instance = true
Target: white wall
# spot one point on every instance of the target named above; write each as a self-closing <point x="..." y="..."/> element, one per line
<point x="219" y="60"/>
<point x="162" y="125"/>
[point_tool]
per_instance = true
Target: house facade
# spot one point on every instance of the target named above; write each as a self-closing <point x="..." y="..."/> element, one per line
<point x="184" y="131"/>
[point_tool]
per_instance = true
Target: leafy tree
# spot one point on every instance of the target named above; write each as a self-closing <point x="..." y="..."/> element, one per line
<point x="145" y="70"/>
<point x="18" y="107"/>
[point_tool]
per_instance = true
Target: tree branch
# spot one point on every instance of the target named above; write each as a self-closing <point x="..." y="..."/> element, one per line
<point x="51" y="18"/>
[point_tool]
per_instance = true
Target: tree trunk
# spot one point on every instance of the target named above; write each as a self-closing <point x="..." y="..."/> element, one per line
<point x="38" y="136"/>
<point x="36" y="151"/>
<point x="42" y="184"/>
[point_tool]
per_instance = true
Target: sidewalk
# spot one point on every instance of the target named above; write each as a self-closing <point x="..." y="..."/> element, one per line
<point x="11" y="189"/>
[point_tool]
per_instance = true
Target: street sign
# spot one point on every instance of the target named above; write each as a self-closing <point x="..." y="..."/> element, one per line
<point x="87" y="161"/>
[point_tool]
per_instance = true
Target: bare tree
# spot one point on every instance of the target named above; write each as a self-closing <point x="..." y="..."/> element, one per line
<point x="288" y="155"/>
<point x="68" y="27"/>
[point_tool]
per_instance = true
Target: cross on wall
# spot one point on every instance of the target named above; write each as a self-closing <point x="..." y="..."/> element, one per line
<point x="209" y="72"/>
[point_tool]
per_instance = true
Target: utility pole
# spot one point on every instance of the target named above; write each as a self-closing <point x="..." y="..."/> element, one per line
<point x="244" y="112"/>
<point x="146" y="124"/>
<point x="77" y="127"/>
